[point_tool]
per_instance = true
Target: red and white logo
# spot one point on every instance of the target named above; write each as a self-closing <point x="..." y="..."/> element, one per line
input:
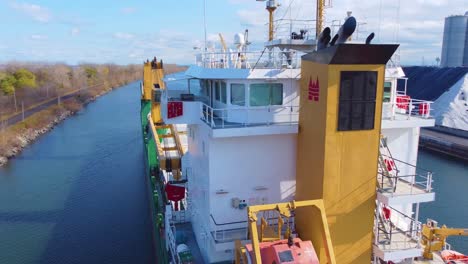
<point x="314" y="90"/>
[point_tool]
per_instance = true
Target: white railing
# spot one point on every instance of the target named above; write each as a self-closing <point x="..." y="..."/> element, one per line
<point x="274" y="59"/>
<point x="404" y="232"/>
<point x="417" y="183"/>
<point x="284" y="28"/>
<point x="405" y="108"/>
<point x="229" y="235"/>
<point x="249" y="116"/>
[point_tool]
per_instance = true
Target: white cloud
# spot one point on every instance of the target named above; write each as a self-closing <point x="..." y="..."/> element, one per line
<point x="123" y="35"/>
<point x="38" y="37"/>
<point x="417" y="25"/>
<point x="36" y="12"/>
<point x="75" y="31"/>
<point x="128" y="10"/>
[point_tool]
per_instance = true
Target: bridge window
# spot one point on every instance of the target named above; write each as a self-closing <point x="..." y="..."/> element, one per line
<point x="387" y="92"/>
<point x="238" y="94"/>
<point x="217" y="91"/>
<point x="220" y="91"/>
<point x="263" y="94"/>
<point x="357" y="100"/>
<point x="223" y="92"/>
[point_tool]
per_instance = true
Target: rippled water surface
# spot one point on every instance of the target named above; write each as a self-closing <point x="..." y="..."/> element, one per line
<point x="451" y="189"/>
<point x="78" y="195"/>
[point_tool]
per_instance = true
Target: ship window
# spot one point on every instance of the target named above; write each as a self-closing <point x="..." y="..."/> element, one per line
<point x="286" y="256"/>
<point x="263" y="94"/>
<point x="238" y="94"/>
<point x="357" y="100"/>
<point x="387" y="91"/>
<point x="205" y="87"/>
<point x="217" y="91"/>
<point x="223" y="92"/>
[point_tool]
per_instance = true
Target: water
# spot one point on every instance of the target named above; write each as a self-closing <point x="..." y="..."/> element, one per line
<point x="451" y="188"/>
<point x="78" y="195"/>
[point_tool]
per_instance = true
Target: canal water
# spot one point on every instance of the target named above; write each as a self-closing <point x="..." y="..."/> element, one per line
<point x="78" y="195"/>
<point x="451" y="189"/>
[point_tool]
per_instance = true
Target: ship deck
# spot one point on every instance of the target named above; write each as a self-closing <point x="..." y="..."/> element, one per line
<point x="402" y="187"/>
<point x="190" y="241"/>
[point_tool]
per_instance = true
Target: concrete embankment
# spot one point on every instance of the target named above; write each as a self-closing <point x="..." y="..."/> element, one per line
<point x="447" y="141"/>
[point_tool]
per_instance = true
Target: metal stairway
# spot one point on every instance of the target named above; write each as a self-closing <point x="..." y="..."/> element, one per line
<point x="387" y="169"/>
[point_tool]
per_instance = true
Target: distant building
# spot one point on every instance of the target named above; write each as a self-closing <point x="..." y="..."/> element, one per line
<point x="455" y="43"/>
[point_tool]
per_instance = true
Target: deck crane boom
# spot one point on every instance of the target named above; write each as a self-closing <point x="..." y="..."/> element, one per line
<point x="433" y="237"/>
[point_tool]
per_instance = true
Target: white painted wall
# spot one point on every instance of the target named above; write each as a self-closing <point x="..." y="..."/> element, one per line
<point x="239" y="165"/>
<point x="198" y="184"/>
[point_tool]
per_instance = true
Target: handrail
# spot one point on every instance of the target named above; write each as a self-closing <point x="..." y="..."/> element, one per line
<point x="411" y="235"/>
<point x="220" y="117"/>
<point x="407" y="109"/>
<point x="248" y="59"/>
<point x="417" y="180"/>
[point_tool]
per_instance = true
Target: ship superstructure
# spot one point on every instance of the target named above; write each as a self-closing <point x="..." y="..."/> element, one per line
<point x="243" y="145"/>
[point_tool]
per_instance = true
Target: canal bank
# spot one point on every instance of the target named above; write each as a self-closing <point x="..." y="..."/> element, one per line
<point x="446" y="141"/>
<point x="17" y="132"/>
<point x="78" y="194"/>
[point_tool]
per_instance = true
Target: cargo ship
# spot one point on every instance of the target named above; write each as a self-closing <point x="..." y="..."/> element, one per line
<point x="303" y="152"/>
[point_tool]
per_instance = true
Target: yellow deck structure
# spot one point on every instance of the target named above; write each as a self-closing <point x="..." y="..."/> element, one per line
<point x="338" y="144"/>
<point x="166" y="137"/>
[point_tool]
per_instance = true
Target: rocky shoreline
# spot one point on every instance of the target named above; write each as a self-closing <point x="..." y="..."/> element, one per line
<point x="31" y="135"/>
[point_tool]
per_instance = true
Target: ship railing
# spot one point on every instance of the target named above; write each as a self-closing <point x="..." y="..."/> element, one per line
<point x="408" y="184"/>
<point x="406" y="108"/>
<point x="229" y="232"/>
<point x="229" y="235"/>
<point x="249" y="116"/>
<point x="284" y="28"/>
<point x="399" y="232"/>
<point x="266" y="59"/>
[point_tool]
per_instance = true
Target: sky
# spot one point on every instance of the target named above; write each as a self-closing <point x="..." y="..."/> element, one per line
<point x="124" y="31"/>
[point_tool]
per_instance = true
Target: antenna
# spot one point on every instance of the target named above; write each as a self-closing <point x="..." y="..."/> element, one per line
<point x="204" y="21"/>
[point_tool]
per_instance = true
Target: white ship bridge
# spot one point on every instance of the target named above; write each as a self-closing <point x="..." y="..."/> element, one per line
<point x="242" y="111"/>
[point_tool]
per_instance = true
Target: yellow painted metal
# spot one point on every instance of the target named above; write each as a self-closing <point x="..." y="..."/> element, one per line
<point x="170" y="163"/>
<point x="337" y="166"/>
<point x="147" y="81"/>
<point x="271" y="29"/>
<point x="433" y="238"/>
<point x="169" y="156"/>
<point x="223" y="43"/>
<point x="157" y="140"/>
<point x="157" y="75"/>
<point x="320" y="16"/>
<point x="284" y="209"/>
<point x="241" y="253"/>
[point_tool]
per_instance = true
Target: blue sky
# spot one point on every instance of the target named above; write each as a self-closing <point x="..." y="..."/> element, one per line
<point x="124" y="32"/>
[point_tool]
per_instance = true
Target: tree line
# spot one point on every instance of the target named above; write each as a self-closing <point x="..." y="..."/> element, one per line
<point x="31" y="83"/>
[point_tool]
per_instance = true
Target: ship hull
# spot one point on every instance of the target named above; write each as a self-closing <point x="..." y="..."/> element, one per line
<point x="153" y="190"/>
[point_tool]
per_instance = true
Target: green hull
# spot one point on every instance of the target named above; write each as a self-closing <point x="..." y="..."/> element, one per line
<point x="156" y="193"/>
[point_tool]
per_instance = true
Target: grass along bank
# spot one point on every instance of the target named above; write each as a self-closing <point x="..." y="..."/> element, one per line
<point x="15" y="138"/>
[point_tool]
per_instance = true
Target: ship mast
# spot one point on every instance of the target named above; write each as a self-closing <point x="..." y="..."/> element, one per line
<point x="271" y="7"/>
<point x="319" y="17"/>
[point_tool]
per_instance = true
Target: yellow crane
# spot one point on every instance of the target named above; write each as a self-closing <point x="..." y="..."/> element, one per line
<point x="433" y="237"/>
<point x="284" y="210"/>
